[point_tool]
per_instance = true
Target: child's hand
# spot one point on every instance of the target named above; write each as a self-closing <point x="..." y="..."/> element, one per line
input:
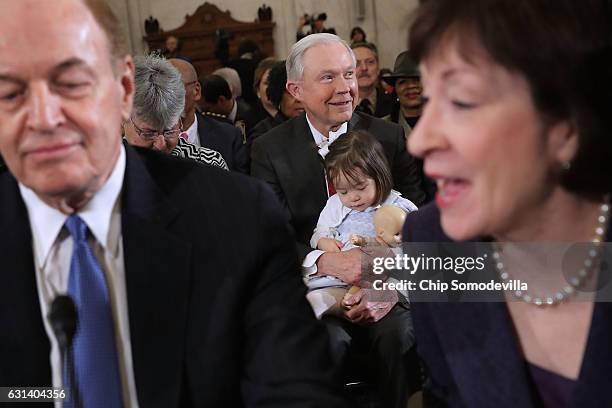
<point x="329" y="245"/>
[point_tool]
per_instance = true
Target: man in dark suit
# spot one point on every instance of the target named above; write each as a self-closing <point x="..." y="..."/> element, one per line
<point x="321" y="75"/>
<point x="205" y="131"/>
<point x="241" y="113"/>
<point x="373" y="99"/>
<point x="174" y="306"/>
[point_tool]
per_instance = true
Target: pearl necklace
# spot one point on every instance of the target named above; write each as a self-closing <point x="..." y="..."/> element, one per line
<point x="574" y="282"/>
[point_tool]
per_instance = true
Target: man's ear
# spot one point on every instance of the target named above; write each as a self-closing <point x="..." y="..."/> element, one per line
<point x="197" y="91"/>
<point x="295" y="89"/>
<point x="125" y="76"/>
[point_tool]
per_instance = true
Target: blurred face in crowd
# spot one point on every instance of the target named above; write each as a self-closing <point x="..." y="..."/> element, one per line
<point x="62" y="99"/>
<point x="409" y="92"/>
<point x="193" y="91"/>
<point x="262" y="88"/>
<point x="140" y="133"/>
<point x="367" y="67"/>
<point x="328" y="89"/>
<point x="290" y="106"/>
<point x="357" y="37"/>
<point x="493" y="157"/>
<point x="223" y="106"/>
<point x="171" y="43"/>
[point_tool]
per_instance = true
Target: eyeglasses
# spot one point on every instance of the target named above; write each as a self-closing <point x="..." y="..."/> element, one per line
<point x="152" y="134"/>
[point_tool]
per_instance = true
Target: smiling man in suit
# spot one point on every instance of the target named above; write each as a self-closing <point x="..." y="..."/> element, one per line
<point x="174" y="307"/>
<point x="321" y="75"/>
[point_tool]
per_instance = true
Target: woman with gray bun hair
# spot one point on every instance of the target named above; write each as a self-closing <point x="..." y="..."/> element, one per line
<point x="516" y="132"/>
<point x="155" y="123"/>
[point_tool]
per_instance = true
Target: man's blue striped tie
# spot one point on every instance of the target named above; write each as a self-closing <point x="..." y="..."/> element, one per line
<point x="94" y="348"/>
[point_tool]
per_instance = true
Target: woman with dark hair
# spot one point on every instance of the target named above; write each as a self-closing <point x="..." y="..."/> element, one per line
<point x="407" y="105"/>
<point x="288" y="107"/>
<point x="357" y="35"/>
<point x="263" y="109"/>
<point x="516" y="132"/>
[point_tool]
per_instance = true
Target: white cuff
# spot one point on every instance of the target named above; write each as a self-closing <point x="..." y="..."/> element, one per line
<point x="309" y="265"/>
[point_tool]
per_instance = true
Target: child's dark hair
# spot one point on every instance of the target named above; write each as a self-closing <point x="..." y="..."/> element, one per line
<point x="358" y="154"/>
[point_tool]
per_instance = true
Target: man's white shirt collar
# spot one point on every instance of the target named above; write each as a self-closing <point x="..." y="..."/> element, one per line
<point x="234" y="112"/>
<point x="46" y="222"/>
<point x="323" y="142"/>
<point x="192" y="132"/>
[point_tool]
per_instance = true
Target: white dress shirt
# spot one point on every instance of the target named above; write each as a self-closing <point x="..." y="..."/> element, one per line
<point x="232" y="115"/>
<point x="309" y="265"/>
<point x="52" y="247"/>
<point x="323" y="141"/>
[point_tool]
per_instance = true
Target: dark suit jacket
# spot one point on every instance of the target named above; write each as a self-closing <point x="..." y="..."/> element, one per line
<point x="246" y="71"/>
<point x="472" y="356"/>
<point x="246" y="114"/>
<point x="226" y="139"/>
<point x="286" y="157"/>
<point x="265" y="126"/>
<point x="384" y="103"/>
<point x="217" y="314"/>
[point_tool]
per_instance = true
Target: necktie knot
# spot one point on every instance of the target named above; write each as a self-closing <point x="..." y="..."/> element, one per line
<point x="77" y="228"/>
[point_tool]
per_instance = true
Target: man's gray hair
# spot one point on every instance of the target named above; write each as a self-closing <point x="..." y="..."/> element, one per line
<point x="232" y="78"/>
<point x="159" y="98"/>
<point x="295" y="60"/>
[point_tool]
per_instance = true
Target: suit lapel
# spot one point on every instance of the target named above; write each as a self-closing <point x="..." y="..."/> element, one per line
<point x="25" y="348"/>
<point x="157" y="267"/>
<point x="305" y="161"/>
<point x="354" y="123"/>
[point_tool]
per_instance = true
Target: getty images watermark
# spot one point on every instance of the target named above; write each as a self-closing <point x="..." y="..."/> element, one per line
<point x="540" y="273"/>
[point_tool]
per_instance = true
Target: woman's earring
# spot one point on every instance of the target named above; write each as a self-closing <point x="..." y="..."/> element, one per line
<point x="566" y="165"/>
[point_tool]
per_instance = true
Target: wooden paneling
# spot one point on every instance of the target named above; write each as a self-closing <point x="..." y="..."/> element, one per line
<point x="197" y="36"/>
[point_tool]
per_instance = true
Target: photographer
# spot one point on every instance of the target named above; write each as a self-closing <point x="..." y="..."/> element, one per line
<point x="315" y="23"/>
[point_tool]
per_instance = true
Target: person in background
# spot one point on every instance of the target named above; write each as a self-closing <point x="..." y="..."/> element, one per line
<point x="321" y="75"/>
<point x="315" y="23"/>
<point x="207" y="131"/>
<point x="173" y="47"/>
<point x="357" y="165"/>
<point x="263" y="108"/>
<point x="155" y="123"/>
<point x="372" y="98"/>
<point x="516" y="133"/>
<point x="249" y="56"/>
<point x="287" y="106"/>
<point x="408" y="105"/>
<point x="241" y="114"/>
<point x="358" y="35"/>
